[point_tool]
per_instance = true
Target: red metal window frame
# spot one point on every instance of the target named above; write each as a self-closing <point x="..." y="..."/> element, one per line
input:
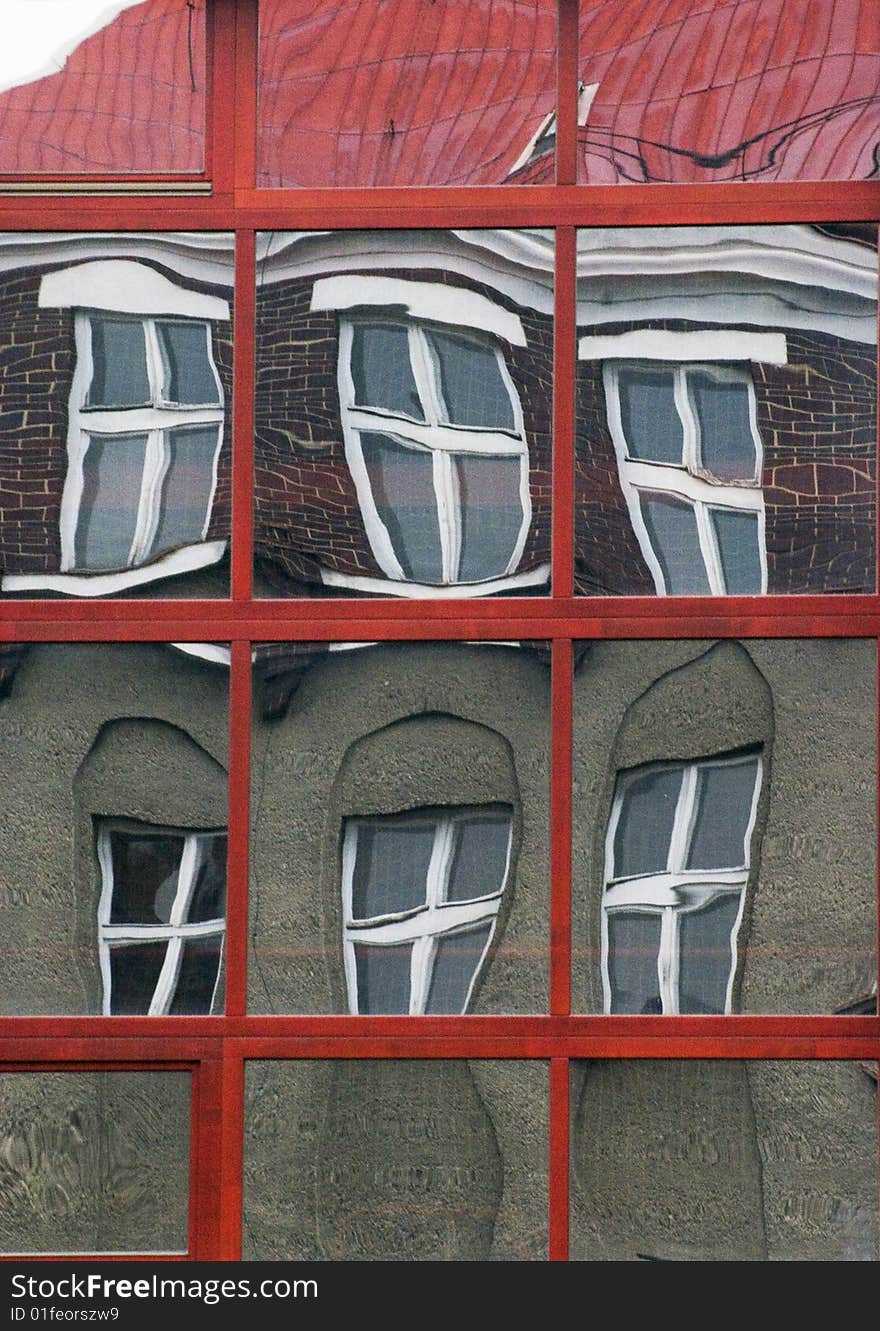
<point x="216" y="1049"/>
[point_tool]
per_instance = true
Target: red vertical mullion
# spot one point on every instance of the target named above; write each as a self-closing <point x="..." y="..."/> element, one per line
<point x="205" y="1161"/>
<point x="566" y="93"/>
<point x="220" y="156"/>
<point x="232" y="1163"/>
<point x="244" y="372"/>
<point x="244" y="93"/>
<point x="239" y="829"/>
<point x="561" y="679"/>
<point x="564" y="362"/>
<point x="560" y="1167"/>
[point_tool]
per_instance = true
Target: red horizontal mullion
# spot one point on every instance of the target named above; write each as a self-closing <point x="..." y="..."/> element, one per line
<point x="82" y="1051"/>
<point x="177" y="1037"/>
<point x="68" y="213"/>
<point x="559" y="205"/>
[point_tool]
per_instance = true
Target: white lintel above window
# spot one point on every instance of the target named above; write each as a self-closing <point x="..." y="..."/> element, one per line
<point x="124" y="284"/>
<point x="436" y="301"/>
<point x="704" y="345"/>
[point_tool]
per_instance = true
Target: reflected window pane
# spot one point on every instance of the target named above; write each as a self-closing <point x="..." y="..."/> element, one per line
<point x="491" y="514"/>
<point x="197" y="976"/>
<point x="707" y="955"/>
<point x="391" y="867"/>
<point x="672" y="530"/>
<point x="644" y="828"/>
<point x="738" y="535"/>
<point x="134" y="974"/>
<point x="188" y="374"/>
<point x="473" y="390"/>
<point x="649" y="417"/>
<point x="119" y="364"/>
<point x="145" y="877"/>
<point x="113" y="472"/>
<point x="455" y="965"/>
<point x="186" y="489"/>
<point x="208" y="900"/>
<point x="727" y="445"/>
<point x="724" y="805"/>
<point x="381" y="370"/>
<point x="480" y="856"/>
<point x="402" y="486"/>
<point x="383" y="978"/>
<point x="633" y="949"/>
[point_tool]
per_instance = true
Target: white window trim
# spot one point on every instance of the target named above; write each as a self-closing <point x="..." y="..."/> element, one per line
<point x="85" y="422"/>
<point x="175" y="932"/>
<point x="433" y="301"/>
<point x="441" y="441"/>
<point x="676" y="890"/>
<point x="423" y="926"/>
<point x="186" y="560"/>
<point x="124" y="286"/>
<point x="586" y="94"/>
<point x="710" y="344"/>
<point x="687" y="481"/>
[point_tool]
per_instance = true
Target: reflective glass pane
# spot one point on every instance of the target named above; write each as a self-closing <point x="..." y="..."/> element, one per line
<point x="383" y="977"/>
<point x="724" y="1161"/>
<point x="455" y="964"/>
<point x="186" y="488"/>
<point x="189" y="378"/>
<point x="145" y="877"/>
<point x="491" y="514"/>
<point x="739" y="92"/>
<point x="402" y="487"/>
<point x="406" y="94"/>
<point x="91" y="89"/>
<point x="644" y="828"/>
<point x="727" y="445"/>
<point x="481" y="843"/>
<point x="723" y="808"/>
<point x="672" y="531"/>
<point x="113" y="470"/>
<point x="648" y="415"/>
<point x="633" y="950"/>
<point x="398" y="1160"/>
<point x="471" y="385"/>
<point x="197" y="976"/>
<point x="119" y="363"/>
<point x="208" y="901"/>
<point x="94" y="1162"/>
<point x="382" y="371"/>
<point x="737" y="535"/>
<point x="134" y="974"/>
<point x="391" y="866"/>
<point x="706" y="955"/>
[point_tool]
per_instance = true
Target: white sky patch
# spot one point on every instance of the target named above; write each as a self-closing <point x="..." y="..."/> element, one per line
<point x="39" y="35"/>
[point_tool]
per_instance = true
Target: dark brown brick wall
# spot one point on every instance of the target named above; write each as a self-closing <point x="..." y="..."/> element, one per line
<point x="817" y="420"/>
<point x="37" y="361"/>
<point x="307" y="514"/>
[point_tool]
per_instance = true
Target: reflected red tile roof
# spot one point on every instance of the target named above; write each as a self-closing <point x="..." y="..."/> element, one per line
<point x="130" y="98"/>
<point x="409" y="92"/>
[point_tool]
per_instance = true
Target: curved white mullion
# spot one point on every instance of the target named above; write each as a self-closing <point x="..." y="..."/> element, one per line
<point x="480" y="963"/>
<point x="667" y="478"/>
<point x="140" y="420"/>
<point x="448" y="495"/>
<point x="441" y="862"/>
<point x="350" y="964"/>
<point x="77" y="440"/>
<point x="628" y="476"/>
<point x="105" y="902"/>
<point x="156" y="462"/>
<point x="667" y="963"/>
<point x="139" y="933"/>
<point x="421" y="968"/>
<point x="155" y="361"/>
<point x="167" y="981"/>
<point x="689" y="426"/>
<point x="186" y="880"/>
<point x="426" y="371"/>
<point x="683" y="821"/>
<point x="220" y="961"/>
<point x="709" y="550"/>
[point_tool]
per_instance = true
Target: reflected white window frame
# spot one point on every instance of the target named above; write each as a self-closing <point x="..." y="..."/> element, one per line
<point x="155" y="421"/>
<point x="423" y="925"/>
<point x="543" y="141"/>
<point x="175" y="933"/>
<point x="687" y="482"/>
<point x="675" y="891"/>
<point x="442" y="440"/>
